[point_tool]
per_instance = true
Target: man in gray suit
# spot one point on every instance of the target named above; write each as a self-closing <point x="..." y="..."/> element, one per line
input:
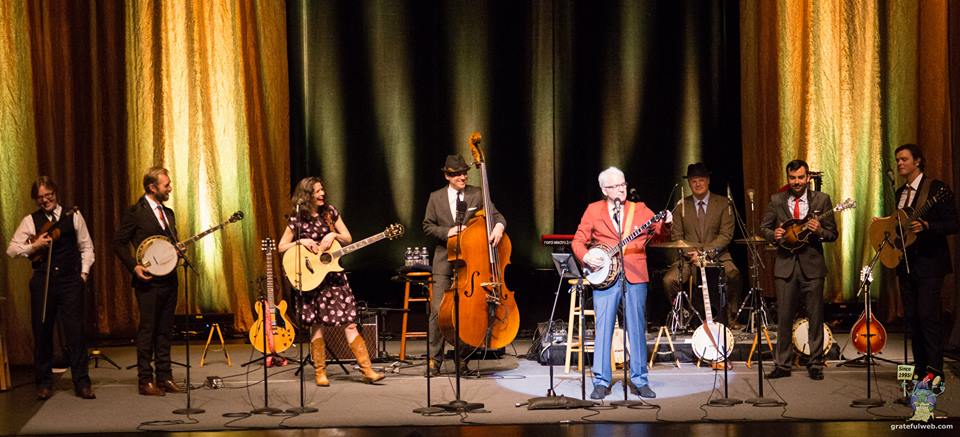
<point x="455" y="201"/>
<point x="799" y="275"/>
<point x="706" y="220"/>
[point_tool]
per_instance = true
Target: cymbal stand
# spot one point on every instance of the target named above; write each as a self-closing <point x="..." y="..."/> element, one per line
<point x="682" y="310"/>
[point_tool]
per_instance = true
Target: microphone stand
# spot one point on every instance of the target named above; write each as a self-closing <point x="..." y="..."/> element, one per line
<point x="186" y="264"/>
<point x="302" y="409"/>
<point x="866" y="278"/>
<point x="458" y="405"/>
<point x="903" y="400"/>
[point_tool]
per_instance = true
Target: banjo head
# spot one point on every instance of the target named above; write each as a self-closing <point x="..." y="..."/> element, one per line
<point x="157" y="255"/>
<point x="801" y="337"/>
<point x="610" y="266"/>
<point x="703" y="346"/>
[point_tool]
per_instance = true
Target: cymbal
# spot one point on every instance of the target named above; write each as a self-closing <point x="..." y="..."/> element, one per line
<point x="756" y="239"/>
<point x="678" y="244"/>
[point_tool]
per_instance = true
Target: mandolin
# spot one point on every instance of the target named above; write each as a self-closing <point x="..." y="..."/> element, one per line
<point x="272" y="320"/>
<point x="858" y="334"/>
<point x="797" y="235"/>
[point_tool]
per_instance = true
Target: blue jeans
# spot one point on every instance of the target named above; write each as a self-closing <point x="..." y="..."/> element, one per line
<point x="605" y="303"/>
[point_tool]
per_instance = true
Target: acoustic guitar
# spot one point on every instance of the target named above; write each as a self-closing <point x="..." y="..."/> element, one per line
<point x="307" y="270"/>
<point x="272" y="320"/>
<point x="889" y="228"/>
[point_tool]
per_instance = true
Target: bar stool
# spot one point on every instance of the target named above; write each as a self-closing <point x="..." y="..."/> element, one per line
<point x="421" y="277"/>
<point x="576" y="345"/>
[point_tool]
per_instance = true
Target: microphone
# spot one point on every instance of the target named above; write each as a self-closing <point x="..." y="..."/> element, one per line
<point x="893" y="182"/>
<point x="750" y="193"/>
<point x="683" y="203"/>
<point x="633" y="195"/>
<point x="461" y="210"/>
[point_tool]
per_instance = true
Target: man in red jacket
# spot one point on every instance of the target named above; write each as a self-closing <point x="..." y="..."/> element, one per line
<point x="606" y="222"/>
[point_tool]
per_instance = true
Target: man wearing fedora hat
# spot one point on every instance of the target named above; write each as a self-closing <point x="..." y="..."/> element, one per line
<point x="706" y="222"/>
<point x="456" y="201"/>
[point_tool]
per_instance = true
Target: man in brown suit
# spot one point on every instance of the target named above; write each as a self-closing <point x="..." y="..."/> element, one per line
<point x="706" y="220"/>
<point x="798" y="276"/>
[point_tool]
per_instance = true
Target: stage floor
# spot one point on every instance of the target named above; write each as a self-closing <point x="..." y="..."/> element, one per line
<point x="681" y="396"/>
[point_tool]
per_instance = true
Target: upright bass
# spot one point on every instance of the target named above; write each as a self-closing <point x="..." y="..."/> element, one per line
<point x="488" y="312"/>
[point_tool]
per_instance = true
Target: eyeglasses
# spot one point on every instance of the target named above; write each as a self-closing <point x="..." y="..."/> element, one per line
<point x="620" y="185"/>
<point x="48" y="196"/>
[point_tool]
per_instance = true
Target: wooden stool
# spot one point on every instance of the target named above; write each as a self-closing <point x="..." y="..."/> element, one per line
<point x="223" y="345"/>
<point x="404" y="335"/>
<point x="4" y="365"/>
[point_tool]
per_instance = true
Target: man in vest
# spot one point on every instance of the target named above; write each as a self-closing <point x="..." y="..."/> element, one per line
<point x="65" y="253"/>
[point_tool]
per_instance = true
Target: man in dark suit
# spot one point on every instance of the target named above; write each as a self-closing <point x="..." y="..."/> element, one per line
<point x="928" y="258"/>
<point x="446" y="205"/>
<point x="800" y="274"/>
<point x="156" y="296"/>
<point x="706" y="220"/>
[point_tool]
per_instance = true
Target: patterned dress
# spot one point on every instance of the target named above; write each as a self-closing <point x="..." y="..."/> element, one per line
<point x="332" y="303"/>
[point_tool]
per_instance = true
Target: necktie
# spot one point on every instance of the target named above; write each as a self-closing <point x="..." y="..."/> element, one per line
<point x="616" y="219"/>
<point x="905" y="198"/>
<point x="162" y="217"/>
<point x="796" y="208"/>
<point x="701" y="215"/>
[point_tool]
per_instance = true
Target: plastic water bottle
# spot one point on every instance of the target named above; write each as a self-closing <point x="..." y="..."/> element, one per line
<point x="408" y="257"/>
<point x="424" y="256"/>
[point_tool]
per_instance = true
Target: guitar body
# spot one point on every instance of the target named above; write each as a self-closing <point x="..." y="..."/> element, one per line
<point x="888" y="227"/>
<point x="280" y="335"/>
<point x="878" y="334"/>
<point x="708" y="342"/>
<point x="607" y="273"/>
<point x="795" y="235"/>
<point x="310" y="268"/>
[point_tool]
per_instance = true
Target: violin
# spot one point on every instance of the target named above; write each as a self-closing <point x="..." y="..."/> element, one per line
<point x="50" y="229"/>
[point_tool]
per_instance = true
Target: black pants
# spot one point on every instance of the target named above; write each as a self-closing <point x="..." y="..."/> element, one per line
<point x="157" y="300"/>
<point x="790" y="292"/>
<point x="64" y="304"/>
<point x="440" y="284"/>
<point x="921" y="311"/>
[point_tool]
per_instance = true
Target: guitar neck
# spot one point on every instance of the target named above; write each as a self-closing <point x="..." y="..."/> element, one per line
<point x="707" y="309"/>
<point x="636" y="233"/>
<point x="270" y="279"/>
<point x="359" y="245"/>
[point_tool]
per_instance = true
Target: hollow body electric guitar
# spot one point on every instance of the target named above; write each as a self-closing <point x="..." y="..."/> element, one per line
<point x="889" y="228"/>
<point x="797" y="233"/>
<point x="307" y="270"/>
<point x="707" y="341"/>
<point x="159" y="255"/>
<point x="604" y="276"/>
<point x="272" y="320"/>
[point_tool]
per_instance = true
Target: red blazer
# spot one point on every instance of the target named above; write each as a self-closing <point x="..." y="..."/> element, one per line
<point x="597" y="227"/>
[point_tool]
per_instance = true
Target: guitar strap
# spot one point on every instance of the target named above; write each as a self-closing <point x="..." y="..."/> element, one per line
<point x="921" y="198"/>
<point x="626" y="223"/>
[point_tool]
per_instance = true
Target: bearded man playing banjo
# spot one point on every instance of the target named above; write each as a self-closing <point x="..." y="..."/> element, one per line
<point x="606" y="222"/>
<point x="156" y="295"/>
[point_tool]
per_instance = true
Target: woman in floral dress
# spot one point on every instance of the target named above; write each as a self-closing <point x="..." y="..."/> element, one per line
<point x="332" y="303"/>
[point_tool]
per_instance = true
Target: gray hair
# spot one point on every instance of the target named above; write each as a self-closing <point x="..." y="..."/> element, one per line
<point x="610" y="171"/>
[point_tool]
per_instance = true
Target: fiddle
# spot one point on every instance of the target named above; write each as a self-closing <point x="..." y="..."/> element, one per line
<point x="51" y="230"/>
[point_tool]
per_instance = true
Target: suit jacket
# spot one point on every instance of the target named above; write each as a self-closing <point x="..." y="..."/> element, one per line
<point x="437" y="221"/>
<point x="929" y="255"/>
<point x="596" y="227"/>
<point x="811" y="259"/>
<point x="138" y="223"/>
<point x="718" y="224"/>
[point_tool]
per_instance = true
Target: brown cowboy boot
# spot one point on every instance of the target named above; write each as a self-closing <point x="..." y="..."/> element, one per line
<point x="319" y="353"/>
<point x="359" y="349"/>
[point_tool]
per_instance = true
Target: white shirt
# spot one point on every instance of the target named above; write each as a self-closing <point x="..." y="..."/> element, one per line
<point x="452" y="200"/>
<point x="906" y="197"/>
<point x="153" y="207"/>
<point x="706" y="203"/>
<point x="20" y="246"/>
<point x="618" y="224"/>
<point x="804" y="205"/>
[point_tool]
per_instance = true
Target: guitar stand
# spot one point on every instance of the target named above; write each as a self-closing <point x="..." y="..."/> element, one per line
<point x="223" y="345"/>
<point x="664" y="331"/>
<point x="96" y="355"/>
<point x="756" y="340"/>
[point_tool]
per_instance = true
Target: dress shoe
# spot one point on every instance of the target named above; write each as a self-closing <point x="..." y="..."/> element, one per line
<point x="599" y="392"/>
<point x="778" y="373"/>
<point x="150" y="389"/>
<point x="170" y="387"/>
<point x="86" y="392"/>
<point x="816" y="373"/>
<point x="44" y="393"/>
<point x="433" y="366"/>
<point x="644" y="391"/>
<point x="466" y="371"/>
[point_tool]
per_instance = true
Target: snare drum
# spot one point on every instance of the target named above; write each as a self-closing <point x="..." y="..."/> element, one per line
<point x="801" y="334"/>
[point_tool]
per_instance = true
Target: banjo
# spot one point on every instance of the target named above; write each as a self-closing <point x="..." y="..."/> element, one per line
<point x="159" y="256"/>
<point x="610" y="267"/>
<point x="708" y="338"/>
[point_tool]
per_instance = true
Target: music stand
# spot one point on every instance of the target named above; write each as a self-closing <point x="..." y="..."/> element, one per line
<point x="567" y="268"/>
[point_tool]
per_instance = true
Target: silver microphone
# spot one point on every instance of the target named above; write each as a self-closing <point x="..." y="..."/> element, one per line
<point x="729" y="200"/>
<point x="683" y="203"/>
<point x="750" y="193"/>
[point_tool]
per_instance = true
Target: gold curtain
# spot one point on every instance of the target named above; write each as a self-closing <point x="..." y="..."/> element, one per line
<point x="114" y="88"/>
<point x="842" y="84"/>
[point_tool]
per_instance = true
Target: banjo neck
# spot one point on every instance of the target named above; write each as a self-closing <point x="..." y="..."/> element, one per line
<point x="636" y="233"/>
